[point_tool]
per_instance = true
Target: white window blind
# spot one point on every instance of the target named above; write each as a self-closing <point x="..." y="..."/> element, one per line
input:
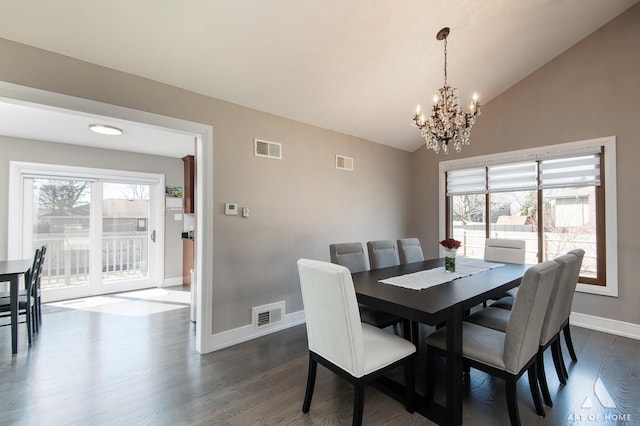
<point x="513" y="177"/>
<point x="570" y="172"/>
<point x="467" y="181"/>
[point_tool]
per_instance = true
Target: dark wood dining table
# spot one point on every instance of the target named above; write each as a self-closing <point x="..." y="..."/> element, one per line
<point x="440" y="304"/>
<point x="11" y="270"/>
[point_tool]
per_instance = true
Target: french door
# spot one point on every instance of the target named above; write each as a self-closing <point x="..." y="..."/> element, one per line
<point x="102" y="229"/>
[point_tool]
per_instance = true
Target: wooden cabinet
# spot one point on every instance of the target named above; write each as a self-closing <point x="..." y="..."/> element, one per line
<point x="189" y="190"/>
<point x="187" y="261"/>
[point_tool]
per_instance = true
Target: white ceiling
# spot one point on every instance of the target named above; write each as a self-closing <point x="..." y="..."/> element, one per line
<point x="30" y="121"/>
<point x="351" y="66"/>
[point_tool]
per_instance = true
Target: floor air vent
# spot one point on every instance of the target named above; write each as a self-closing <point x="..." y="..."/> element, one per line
<point x="267" y="149"/>
<point x="267" y="315"/>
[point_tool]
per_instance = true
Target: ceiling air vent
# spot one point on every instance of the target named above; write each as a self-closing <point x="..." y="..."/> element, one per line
<point x="267" y="315"/>
<point x="267" y="149"/>
<point x="344" y="163"/>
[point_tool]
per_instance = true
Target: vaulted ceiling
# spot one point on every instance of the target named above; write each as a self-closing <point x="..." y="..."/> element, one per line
<point x="355" y="67"/>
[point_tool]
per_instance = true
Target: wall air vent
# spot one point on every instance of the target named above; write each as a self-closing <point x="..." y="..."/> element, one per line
<point x="267" y="315"/>
<point x="267" y="149"/>
<point x="344" y="163"/>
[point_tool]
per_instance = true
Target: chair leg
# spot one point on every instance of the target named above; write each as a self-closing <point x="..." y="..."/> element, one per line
<point x="556" y="353"/>
<point x="406" y="329"/>
<point x="563" y="366"/>
<point x="358" y="404"/>
<point x="567" y="339"/>
<point x="512" y="401"/>
<point x="542" y="378"/>
<point x="38" y="314"/>
<point x="535" y="391"/>
<point x="415" y="332"/>
<point x="311" y="382"/>
<point x="410" y="384"/>
<point x="430" y="376"/>
<point x="395" y="329"/>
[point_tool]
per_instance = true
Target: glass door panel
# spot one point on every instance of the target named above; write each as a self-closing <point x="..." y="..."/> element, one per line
<point x="125" y="232"/>
<point x="62" y="222"/>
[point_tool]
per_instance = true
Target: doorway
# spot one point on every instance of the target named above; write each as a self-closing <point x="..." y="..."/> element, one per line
<point x="17" y="98"/>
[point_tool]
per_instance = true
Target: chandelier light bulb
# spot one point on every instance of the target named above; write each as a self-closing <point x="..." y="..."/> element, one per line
<point x="418" y="110"/>
<point x="435" y="99"/>
<point x="475" y="97"/>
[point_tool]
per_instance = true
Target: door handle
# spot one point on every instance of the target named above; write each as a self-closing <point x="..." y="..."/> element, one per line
<point x="153" y="235"/>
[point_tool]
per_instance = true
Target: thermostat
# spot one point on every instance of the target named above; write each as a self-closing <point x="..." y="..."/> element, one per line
<point x="231" y="209"/>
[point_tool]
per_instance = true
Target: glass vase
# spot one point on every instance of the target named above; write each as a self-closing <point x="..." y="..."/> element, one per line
<point x="450" y="260"/>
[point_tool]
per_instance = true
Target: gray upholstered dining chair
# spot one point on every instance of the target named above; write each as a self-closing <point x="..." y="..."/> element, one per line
<point x="382" y="253"/>
<point x="410" y="250"/>
<point x="353" y="256"/>
<point x="507" y="355"/>
<point x="356" y="351"/>
<point x="566" y="310"/>
<point x="507" y="303"/>
<point x="498" y="319"/>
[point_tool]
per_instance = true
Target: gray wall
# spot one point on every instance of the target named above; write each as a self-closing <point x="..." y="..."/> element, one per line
<point x="14" y="149"/>
<point x="591" y="90"/>
<point x="298" y="204"/>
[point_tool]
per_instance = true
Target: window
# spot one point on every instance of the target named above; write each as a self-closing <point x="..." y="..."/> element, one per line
<point x="553" y="197"/>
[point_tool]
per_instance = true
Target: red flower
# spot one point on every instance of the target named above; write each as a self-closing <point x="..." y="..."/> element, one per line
<point x="450" y="243"/>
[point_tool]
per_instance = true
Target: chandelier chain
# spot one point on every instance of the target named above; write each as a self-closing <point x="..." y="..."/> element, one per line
<point x="445" y="61"/>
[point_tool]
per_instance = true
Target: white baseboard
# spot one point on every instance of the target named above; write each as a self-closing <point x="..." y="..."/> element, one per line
<point x="169" y="282"/>
<point x="619" y="328"/>
<point x="248" y="332"/>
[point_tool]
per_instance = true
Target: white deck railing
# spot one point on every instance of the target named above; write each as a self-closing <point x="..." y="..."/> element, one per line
<point x="67" y="261"/>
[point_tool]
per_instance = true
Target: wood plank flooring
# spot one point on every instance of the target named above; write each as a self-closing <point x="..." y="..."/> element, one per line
<point x="88" y="368"/>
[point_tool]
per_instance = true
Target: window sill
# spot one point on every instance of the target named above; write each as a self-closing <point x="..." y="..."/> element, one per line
<point x="609" y="290"/>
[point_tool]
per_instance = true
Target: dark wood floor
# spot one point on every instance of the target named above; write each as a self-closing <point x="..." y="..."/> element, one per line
<point x="92" y="369"/>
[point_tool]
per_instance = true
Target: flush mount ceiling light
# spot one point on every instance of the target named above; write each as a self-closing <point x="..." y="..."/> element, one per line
<point x="104" y="129"/>
<point x="447" y="123"/>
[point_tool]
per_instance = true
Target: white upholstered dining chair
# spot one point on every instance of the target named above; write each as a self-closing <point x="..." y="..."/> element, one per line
<point x="339" y="341"/>
<point x="505" y="250"/>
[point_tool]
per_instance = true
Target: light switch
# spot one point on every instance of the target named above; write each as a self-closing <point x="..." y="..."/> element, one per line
<point x="177" y="217"/>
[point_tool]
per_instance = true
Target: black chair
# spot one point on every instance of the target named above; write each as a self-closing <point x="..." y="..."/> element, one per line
<point x="26" y="299"/>
<point x="38" y="291"/>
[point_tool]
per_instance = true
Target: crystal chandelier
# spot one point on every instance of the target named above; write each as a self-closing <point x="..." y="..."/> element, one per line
<point x="447" y="123"/>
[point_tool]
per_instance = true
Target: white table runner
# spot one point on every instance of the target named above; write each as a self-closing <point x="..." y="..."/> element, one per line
<point x="432" y="277"/>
